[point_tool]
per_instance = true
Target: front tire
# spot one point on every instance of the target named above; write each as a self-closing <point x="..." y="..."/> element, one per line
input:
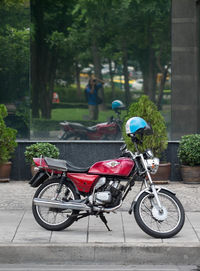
<point x="154" y="223"/>
<point x="54" y="219"/>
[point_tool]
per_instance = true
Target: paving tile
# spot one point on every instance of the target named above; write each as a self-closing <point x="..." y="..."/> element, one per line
<point x="37" y="237"/>
<point x="187" y="234"/>
<point x="133" y="233"/>
<point x="77" y="232"/>
<point x="98" y="233"/>
<point x="9" y="222"/>
<point x="30" y="232"/>
<point x="198" y="233"/>
<point x="194" y="218"/>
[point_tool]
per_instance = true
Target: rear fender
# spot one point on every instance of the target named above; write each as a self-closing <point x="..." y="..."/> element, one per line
<point x="41" y="176"/>
<point x="70" y="181"/>
<point x="38" y="178"/>
<point x="147" y="190"/>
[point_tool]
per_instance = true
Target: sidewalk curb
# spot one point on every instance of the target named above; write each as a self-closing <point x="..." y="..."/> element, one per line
<point x="178" y="254"/>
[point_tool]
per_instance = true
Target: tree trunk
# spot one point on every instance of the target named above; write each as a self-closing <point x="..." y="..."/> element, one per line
<point x="48" y="71"/>
<point x="97" y="70"/>
<point x="111" y="79"/>
<point x="161" y="88"/>
<point x="37" y="21"/>
<point x="78" y="82"/>
<point x="149" y="75"/>
<point x="126" y="74"/>
<point x="34" y="76"/>
<point x="43" y="66"/>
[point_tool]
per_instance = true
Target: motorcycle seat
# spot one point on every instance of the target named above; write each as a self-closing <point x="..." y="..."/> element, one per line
<point x="76" y="125"/>
<point x="75" y="169"/>
<point x="92" y="128"/>
<point x="56" y="164"/>
<point x="62" y="165"/>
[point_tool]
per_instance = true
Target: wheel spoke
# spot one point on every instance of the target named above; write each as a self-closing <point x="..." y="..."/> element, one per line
<point x="50" y="215"/>
<point x="160" y="223"/>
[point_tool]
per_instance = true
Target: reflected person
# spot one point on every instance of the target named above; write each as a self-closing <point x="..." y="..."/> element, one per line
<point x="93" y="99"/>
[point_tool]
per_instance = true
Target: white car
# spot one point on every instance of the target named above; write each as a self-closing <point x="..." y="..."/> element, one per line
<point x="137" y="84"/>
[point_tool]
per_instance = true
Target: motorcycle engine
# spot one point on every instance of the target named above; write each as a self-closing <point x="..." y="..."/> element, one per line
<point x="108" y="193"/>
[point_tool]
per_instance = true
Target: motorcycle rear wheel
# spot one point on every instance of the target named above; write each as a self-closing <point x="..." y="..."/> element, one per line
<point x="155" y="224"/>
<point x="54" y="219"/>
<point x="67" y="136"/>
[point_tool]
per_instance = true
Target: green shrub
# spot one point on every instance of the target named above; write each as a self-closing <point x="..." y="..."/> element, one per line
<point x="119" y="95"/>
<point x="38" y="149"/>
<point x="147" y="110"/>
<point x="189" y="150"/>
<point x="69" y="94"/>
<point x="7" y="137"/>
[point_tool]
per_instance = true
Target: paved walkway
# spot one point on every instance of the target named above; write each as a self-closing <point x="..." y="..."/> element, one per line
<point x="19" y="226"/>
<point x="17" y="195"/>
<point x="88" y="239"/>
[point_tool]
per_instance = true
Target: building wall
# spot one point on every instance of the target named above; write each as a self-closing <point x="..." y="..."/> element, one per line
<point x="84" y="154"/>
<point x="185" y="68"/>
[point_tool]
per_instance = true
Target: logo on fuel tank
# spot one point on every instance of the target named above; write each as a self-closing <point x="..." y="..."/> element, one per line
<point x="113" y="163"/>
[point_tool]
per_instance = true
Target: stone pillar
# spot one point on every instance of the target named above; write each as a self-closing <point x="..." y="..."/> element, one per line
<point x="185" y="110"/>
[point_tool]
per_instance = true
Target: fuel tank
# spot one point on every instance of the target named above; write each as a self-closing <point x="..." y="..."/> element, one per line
<point x="119" y="167"/>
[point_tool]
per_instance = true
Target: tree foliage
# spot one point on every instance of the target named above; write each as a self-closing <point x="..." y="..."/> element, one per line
<point x="147" y="110"/>
<point x="14" y="50"/>
<point x="50" y="21"/>
<point x="7" y="137"/>
<point x="43" y="149"/>
<point x="69" y="35"/>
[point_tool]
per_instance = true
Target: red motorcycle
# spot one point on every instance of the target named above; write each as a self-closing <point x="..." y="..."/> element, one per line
<point x="102" y="131"/>
<point x="68" y="193"/>
<point x="110" y="130"/>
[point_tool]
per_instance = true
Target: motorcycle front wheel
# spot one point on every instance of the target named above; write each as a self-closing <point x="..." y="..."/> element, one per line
<point x="157" y="223"/>
<point x="54" y="219"/>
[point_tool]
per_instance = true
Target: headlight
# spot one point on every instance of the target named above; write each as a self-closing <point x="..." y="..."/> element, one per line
<point x="36" y="169"/>
<point x="149" y="154"/>
<point x="153" y="165"/>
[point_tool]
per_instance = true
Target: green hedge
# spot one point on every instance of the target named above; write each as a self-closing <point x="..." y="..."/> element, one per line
<point x="50" y="125"/>
<point x="189" y="150"/>
<point x="69" y="95"/>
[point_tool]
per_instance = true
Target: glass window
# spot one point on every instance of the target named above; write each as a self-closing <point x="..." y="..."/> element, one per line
<point x="83" y="56"/>
<point x="14" y="64"/>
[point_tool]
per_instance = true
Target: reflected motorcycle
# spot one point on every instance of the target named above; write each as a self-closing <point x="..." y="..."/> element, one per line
<point x="110" y="130"/>
<point x="67" y="193"/>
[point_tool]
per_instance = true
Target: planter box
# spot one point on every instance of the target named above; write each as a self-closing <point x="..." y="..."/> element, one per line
<point x="5" y="170"/>
<point x="163" y="174"/>
<point x="190" y="175"/>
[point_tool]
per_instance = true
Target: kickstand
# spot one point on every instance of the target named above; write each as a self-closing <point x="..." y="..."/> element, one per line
<point x="104" y="220"/>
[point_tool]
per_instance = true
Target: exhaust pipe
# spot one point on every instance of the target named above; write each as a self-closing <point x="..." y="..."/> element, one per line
<point x="74" y="205"/>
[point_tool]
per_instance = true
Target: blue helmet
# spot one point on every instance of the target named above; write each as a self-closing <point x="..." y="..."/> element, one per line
<point x="137" y="125"/>
<point x="117" y="104"/>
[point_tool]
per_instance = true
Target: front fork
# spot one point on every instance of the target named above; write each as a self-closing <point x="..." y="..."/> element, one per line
<point x="152" y="185"/>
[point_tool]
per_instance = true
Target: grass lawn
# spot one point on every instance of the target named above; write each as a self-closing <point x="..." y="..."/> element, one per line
<point x="75" y="114"/>
<point x="80" y="115"/>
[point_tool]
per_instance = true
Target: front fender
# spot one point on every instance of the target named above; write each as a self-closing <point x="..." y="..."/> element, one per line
<point x="38" y="178"/>
<point x="148" y="190"/>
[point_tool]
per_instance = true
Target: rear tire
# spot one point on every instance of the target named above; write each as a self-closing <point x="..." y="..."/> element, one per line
<point x="164" y="225"/>
<point x="54" y="219"/>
